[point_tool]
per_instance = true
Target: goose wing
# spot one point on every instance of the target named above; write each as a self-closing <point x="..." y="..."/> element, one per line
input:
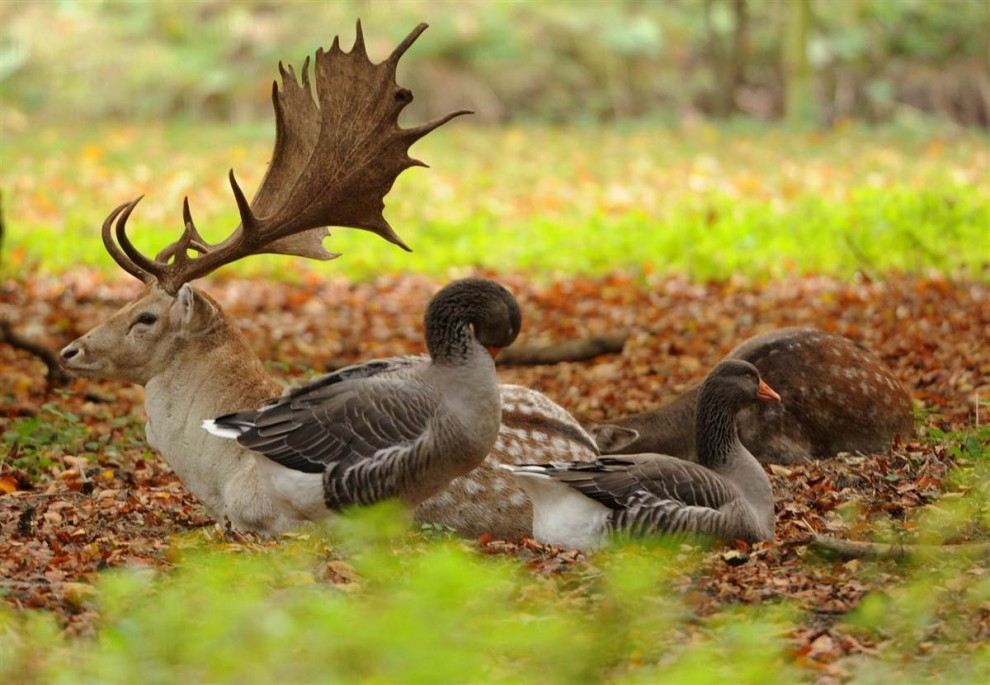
<point x="620" y="483"/>
<point x="350" y="415"/>
<point x="375" y="367"/>
<point x="651" y="494"/>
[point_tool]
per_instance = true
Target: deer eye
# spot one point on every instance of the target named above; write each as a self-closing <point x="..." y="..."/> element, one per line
<point x="146" y="318"/>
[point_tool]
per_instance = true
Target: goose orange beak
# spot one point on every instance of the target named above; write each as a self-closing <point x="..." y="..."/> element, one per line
<point x="493" y="350"/>
<point x="766" y="393"/>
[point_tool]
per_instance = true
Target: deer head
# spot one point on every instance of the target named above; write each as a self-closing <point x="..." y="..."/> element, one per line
<point x="338" y="150"/>
<point x="142" y="338"/>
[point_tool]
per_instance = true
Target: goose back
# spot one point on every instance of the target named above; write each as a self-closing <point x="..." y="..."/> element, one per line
<point x="388" y="429"/>
<point x="640" y="494"/>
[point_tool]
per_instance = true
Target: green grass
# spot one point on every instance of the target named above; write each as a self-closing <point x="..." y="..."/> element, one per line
<point x="703" y="201"/>
<point x="425" y="612"/>
<point x="425" y="609"/>
<point x="36" y="443"/>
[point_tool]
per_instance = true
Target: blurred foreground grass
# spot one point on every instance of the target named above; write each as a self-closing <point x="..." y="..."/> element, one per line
<point x="425" y="609"/>
<point x="418" y="611"/>
<point x="709" y="202"/>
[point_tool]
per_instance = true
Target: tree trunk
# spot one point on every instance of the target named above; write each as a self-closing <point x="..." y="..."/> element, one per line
<point x="727" y="55"/>
<point x="1" y="227"/>
<point x="739" y="55"/>
<point x="799" y="98"/>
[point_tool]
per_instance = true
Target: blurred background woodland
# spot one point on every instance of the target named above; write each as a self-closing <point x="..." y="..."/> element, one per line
<point x="814" y="61"/>
<point x="692" y="172"/>
<point x="838" y="135"/>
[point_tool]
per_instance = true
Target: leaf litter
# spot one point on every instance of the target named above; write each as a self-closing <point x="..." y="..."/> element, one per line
<point x="99" y="498"/>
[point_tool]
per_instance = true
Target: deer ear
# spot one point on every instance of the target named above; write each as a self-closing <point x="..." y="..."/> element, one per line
<point x="195" y="312"/>
<point x="612" y="439"/>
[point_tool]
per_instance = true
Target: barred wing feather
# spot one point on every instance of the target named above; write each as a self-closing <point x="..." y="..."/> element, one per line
<point x="338" y="422"/>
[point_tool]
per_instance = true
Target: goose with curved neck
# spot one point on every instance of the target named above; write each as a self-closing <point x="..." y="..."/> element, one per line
<point x="726" y="495"/>
<point x="391" y="428"/>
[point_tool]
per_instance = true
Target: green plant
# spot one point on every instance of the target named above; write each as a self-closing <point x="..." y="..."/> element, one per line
<point x="37" y="442"/>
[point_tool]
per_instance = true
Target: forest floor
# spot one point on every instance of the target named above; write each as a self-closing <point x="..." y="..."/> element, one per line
<point x="80" y="491"/>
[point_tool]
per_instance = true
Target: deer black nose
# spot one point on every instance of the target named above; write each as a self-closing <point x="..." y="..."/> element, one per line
<point x="69" y="352"/>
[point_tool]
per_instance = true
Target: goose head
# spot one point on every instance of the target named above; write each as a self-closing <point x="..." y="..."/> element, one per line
<point x="467" y="312"/>
<point x="738" y="383"/>
<point x="729" y="387"/>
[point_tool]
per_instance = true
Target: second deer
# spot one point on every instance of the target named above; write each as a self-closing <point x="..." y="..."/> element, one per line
<point x="837" y="397"/>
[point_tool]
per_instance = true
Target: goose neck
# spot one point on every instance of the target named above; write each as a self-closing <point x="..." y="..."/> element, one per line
<point x="716" y="436"/>
<point x="449" y="340"/>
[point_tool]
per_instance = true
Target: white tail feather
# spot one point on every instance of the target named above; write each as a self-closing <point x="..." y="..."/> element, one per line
<point x="525" y="470"/>
<point x="221" y="431"/>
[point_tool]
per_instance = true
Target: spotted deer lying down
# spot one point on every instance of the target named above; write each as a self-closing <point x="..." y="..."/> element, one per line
<point x="837" y="397"/>
<point x="338" y="149"/>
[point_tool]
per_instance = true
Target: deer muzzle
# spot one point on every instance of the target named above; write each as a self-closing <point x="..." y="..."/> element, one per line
<point x="73" y="357"/>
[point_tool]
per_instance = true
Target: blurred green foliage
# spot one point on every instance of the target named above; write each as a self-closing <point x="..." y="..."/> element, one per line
<point x="548" y="60"/>
<point x="421" y="612"/>
<point x="427" y="609"/>
<point x="711" y="202"/>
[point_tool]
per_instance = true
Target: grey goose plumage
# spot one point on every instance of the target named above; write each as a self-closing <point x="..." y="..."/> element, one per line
<point x="725" y="495"/>
<point x="391" y="428"/>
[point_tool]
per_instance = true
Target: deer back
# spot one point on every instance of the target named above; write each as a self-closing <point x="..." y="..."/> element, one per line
<point x="837" y="397"/>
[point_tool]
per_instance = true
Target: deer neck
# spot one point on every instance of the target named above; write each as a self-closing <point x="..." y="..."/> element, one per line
<point x="218" y="370"/>
<point x="668" y="430"/>
<point x="207" y="377"/>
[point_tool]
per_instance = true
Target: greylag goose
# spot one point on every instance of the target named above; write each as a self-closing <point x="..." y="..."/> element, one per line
<point x="390" y="428"/>
<point x="489" y="500"/>
<point x="840" y="398"/>
<point x="726" y="495"/>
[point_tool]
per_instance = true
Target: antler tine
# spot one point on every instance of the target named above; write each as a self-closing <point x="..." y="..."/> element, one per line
<point x="114" y="250"/>
<point x="417" y="132"/>
<point x="358" y="47"/>
<point x="190" y="239"/>
<point x="406" y="43"/>
<point x="249" y="223"/>
<point x="305" y="75"/>
<point x="195" y="240"/>
<point x="147" y="265"/>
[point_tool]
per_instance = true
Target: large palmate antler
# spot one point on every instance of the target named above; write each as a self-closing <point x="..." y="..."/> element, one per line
<point x="335" y="159"/>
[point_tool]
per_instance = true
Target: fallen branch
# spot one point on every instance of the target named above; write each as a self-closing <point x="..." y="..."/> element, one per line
<point x="55" y="373"/>
<point x="22" y="495"/>
<point x="27" y="583"/>
<point x="570" y="351"/>
<point x="7" y="334"/>
<point x="852" y="549"/>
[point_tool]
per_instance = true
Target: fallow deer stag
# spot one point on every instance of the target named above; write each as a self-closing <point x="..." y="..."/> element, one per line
<point x="337" y="152"/>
